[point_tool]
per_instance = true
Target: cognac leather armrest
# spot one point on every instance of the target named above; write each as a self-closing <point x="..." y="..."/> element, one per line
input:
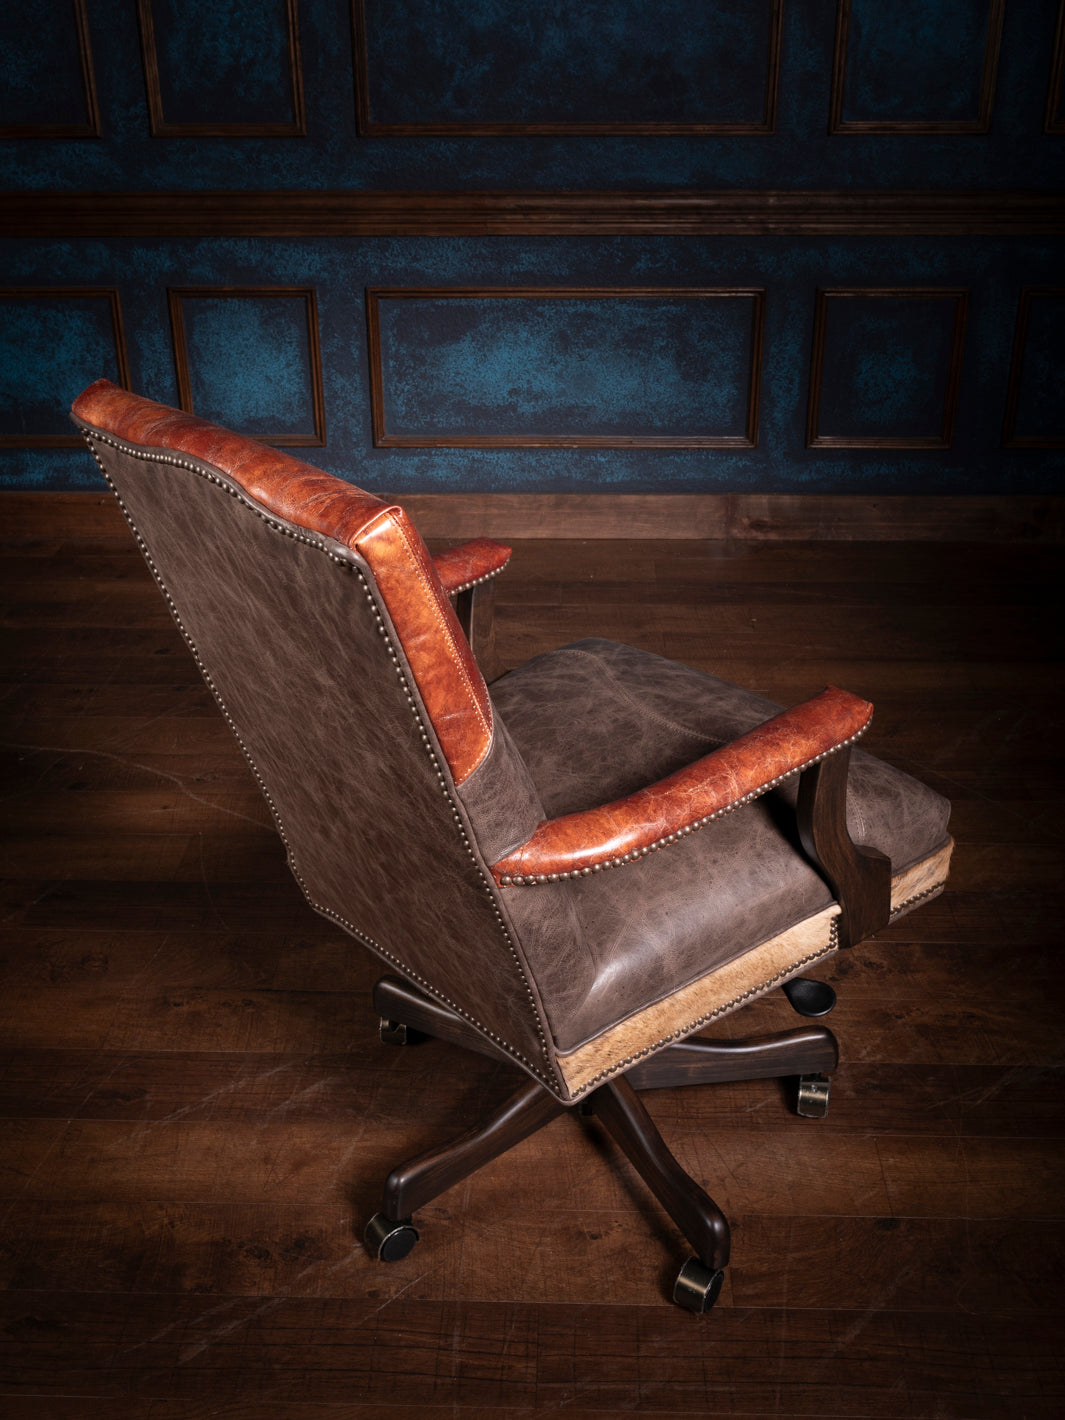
<point x="471" y="562"/>
<point x="616" y="833"/>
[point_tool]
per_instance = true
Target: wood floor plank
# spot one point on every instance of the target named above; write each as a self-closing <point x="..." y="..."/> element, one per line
<point x="54" y="960"/>
<point x="1000" y="1030"/>
<point x="886" y="1363"/>
<point x="74" y="813"/>
<point x="49" y="1408"/>
<point x="286" y="1159"/>
<point x="494" y="1252"/>
<point x="171" y="696"/>
<point x="945" y="1100"/>
<point x="28" y="768"/>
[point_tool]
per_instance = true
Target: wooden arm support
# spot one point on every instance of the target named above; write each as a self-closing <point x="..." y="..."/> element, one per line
<point x="860" y="878"/>
<point x="616" y="833"/>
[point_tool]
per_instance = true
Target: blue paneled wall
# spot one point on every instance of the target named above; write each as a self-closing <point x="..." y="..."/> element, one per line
<point x="471" y="65"/>
<point x="900" y="363"/>
<point x="596" y="367"/>
<point x="632" y="89"/>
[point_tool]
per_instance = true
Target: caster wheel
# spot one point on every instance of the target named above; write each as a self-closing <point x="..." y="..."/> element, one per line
<point x="388" y="1239"/>
<point x="697" y="1288"/>
<point x="813" y="1096"/>
<point x="396" y="1033"/>
<point x="808" y="997"/>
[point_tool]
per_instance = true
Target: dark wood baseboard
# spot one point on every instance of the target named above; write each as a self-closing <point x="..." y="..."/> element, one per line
<point x="737" y="515"/>
<point x="748" y="516"/>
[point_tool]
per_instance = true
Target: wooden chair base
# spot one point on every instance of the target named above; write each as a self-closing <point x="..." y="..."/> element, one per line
<point x="807" y="1052"/>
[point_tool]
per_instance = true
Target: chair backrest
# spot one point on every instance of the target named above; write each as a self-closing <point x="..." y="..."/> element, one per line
<point x="316" y="616"/>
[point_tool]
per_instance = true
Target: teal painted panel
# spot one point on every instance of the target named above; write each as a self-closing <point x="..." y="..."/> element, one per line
<point x="51" y="347"/>
<point x="473" y="62"/>
<point x="992" y="270"/>
<point x="250" y="363"/>
<point x="1041" y="388"/>
<point x="585" y="365"/>
<point x="912" y="61"/>
<point x="223" y="61"/>
<point x="886" y="364"/>
<point x="801" y="155"/>
<point x="41" y="82"/>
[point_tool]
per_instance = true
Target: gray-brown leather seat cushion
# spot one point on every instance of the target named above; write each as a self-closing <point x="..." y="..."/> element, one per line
<point x="596" y="720"/>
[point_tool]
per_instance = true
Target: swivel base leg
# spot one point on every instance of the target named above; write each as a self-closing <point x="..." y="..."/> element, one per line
<point x="390" y="1234"/>
<point x="696" y="1214"/>
<point x="802" y="1051"/>
<point x="806" y="1052"/>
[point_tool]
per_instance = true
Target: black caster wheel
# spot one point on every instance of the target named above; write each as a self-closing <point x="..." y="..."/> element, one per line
<point x="813" y="1096"/>
<point x="396" y="1033"/>
<point x="389" y="1239"/>
<point x="697" y="1287"/>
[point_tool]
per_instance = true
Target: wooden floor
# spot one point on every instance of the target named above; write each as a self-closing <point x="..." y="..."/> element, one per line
<point x="197" y="1113"/>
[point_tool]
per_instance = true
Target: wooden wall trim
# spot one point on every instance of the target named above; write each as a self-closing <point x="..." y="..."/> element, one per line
<point x="1010" y="438"/>
<point x="369" y="127"/>
<point x="112" y="296"/>
<point x="91" y="127"/>
<point x="746" y="516"/>
<point x="177" y="295"/>
<point x="979" y="123"/>
<point x="161" y="127"/>
<point x="1053" y="120"/>
<point x="816" y="439"/>
<point x="456" y="439"/>
<point x="355" y="214"/>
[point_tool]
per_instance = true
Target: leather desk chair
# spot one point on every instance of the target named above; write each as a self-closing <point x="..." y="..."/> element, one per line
<point x="574" y="872"/>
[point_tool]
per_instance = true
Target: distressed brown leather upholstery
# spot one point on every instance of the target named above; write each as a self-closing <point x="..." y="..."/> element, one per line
<point x="462" y="834"/>
<point x="661" y="924"/>
<point x="573" y="872"/>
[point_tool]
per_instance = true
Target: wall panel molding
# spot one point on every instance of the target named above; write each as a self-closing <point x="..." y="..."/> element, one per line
<point x="1054" y="118"/>
<point x="979" y="123"/>
<point x="176" y="298"/>
<point x="56" y="374"/>
<point x="1012" y="438"/>
<point x="368" y="126"/>
<point x="162" y="127"/>
<point x="543" y="438"/>
<point x="530" y="214"/>
<point x="816" y="438"/>
<point x="91" y="127"/>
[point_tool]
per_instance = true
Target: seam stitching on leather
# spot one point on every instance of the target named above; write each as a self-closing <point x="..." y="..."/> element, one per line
<point x="449" y="641"/>
<point x="477" y="581"/>
<point x="636" y="854"/>
<point x="158" y="456"/>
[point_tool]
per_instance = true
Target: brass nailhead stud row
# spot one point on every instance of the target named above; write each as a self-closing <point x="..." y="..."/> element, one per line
<point x="477" y="581"/>
<point x="341" y="562"/>
<point x="533" y="879"/>
<point x="685" y="1031"/>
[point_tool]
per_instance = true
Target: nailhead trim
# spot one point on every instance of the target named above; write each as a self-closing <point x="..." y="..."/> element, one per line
<point x="684" y="1031"/>
<point x="477" y="581"/>
<point x="533" y="880"/>
<point x="287" y="531"/>
<point x="917" y="897"/>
